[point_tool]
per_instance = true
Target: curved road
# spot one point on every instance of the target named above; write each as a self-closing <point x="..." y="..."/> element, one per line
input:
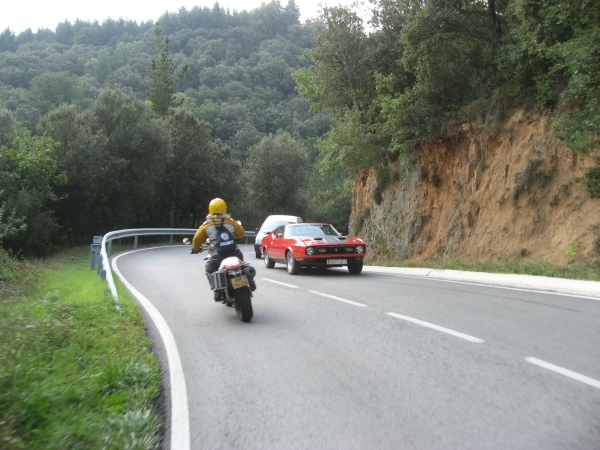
<point x="374" y="361"/>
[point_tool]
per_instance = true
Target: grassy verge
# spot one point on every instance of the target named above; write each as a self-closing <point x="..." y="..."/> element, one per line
<point x="577" y="271"/>
<point x="74" y="371"/>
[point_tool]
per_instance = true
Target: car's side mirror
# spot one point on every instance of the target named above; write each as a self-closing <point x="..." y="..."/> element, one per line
<point x="256" y="230"/>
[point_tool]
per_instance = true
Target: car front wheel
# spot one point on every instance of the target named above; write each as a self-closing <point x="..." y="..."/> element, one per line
<point x="269" y="263"/>
<point x="293" y="267"/>
<point x="355" y="268"/>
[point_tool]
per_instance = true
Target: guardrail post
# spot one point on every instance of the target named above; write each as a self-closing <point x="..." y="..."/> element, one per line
<point x="109" y="248"/>
<point x="135" y="242"/>
<point x="95" y="251"/>
<point x="171" y="240"/>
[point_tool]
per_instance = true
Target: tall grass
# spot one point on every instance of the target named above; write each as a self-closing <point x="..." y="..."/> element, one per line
<point x="75" y="372"/>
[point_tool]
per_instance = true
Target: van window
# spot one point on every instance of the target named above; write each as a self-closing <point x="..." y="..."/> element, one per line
<point x="270" y="226"/>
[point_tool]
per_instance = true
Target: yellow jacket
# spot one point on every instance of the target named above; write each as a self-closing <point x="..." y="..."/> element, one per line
<point x="208" y="230"/>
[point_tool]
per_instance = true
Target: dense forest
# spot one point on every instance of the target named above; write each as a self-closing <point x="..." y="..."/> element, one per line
<point x="119" y="124"/>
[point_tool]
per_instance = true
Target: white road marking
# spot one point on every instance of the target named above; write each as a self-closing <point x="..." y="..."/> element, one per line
<point x="279" y="282"/>
<point x="338" y="298"/>
<point x="180" y="423"/>
<point x="438" y="328"/>
<point x="565" y="372"/>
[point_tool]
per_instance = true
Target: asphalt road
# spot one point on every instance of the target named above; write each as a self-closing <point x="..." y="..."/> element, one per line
<point x="375" y="361"/>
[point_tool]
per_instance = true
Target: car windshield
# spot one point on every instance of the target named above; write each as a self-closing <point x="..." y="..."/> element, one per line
<point x="270" y="226"/>
<point x="313" y="230"/>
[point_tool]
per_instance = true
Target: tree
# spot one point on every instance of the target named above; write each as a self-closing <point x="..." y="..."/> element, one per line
<point x="8" y="41"/>
<point x="274" y="176"/>
<point x="49" y="90"/>
<point x="29" y="175"/>
<point x="82" y="210"/>
<point x="159" y="82"/>
<point x="339" y="76"/>
<point x="137" y="143"/>
<point x="8" y="127"/>
<point x="189" y="171"/>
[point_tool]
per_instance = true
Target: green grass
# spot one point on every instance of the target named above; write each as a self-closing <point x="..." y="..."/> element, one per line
<point x="576" y="271"/>
<point x="75" y="373"/>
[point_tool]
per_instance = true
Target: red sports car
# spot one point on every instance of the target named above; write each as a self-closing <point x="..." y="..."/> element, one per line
<point x="312" y="245"/>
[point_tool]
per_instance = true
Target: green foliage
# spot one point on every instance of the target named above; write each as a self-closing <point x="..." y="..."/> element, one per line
<point x="128" y="166"/>
<point x="428" y="61"/>
<point x="159" y="83"/>
<point x="274" y="177"/>
<point x="552" y="47"/>
<point x="189" y="174"/>
<point x="328" y="198"/>
<point x="10" y="225"/>
<point x="349" y="145"/>
<point x="75" y="372"/>
<point x="49" y="90"/>
<point x="339" y="76"/>
<point x="29" y="178"/>
<point x="8" y="127"/>
<point x="8" y="266"/>
<point x="591" y="180"/>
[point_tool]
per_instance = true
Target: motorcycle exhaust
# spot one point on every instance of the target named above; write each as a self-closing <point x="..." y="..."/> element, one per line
<point x="250" y="272"/>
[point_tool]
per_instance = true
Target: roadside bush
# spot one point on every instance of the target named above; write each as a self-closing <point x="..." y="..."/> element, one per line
<point x="8" y="266"/>
<point x="591" y="180"/>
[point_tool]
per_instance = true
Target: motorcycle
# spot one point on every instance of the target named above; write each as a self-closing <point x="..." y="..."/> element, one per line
<point x="235" y="281"/>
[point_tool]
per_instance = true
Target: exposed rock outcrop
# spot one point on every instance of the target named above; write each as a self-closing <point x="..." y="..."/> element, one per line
<point x="473" y="195"/>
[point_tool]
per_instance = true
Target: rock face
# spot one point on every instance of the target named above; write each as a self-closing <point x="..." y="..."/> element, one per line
<point x="472" y="195"/>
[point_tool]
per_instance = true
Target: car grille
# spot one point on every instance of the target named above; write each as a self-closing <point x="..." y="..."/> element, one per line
<point x="333" y="250"/>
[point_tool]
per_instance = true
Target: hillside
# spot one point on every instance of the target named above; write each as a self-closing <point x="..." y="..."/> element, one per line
<point x="518" y="192"/>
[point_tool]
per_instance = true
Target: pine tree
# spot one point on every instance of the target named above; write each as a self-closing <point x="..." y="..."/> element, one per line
<point x="159" y="82"/>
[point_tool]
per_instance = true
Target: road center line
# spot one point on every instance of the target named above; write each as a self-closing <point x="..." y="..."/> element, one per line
<point x="338" y="298"/>
<point x="565" y="372"/>
<point x="438" y="328"/>
<point x="279" y="282"/>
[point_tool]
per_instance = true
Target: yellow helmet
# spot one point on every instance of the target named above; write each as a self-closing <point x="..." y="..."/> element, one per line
<point x="217" y="206"/>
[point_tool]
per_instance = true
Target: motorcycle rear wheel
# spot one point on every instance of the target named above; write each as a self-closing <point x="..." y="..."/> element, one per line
<point x="243" y="304"/>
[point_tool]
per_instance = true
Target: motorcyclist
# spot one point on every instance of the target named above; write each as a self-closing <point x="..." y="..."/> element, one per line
<point x="217" y="215"/>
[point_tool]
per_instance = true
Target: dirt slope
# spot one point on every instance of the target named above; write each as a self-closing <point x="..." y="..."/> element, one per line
<point x="517" y="193"/>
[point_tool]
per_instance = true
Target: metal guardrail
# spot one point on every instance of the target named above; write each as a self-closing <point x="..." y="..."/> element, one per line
<point x="102" y="245"/>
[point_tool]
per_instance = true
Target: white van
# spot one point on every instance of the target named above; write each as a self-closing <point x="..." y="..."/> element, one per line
<point x="269" y="225"/>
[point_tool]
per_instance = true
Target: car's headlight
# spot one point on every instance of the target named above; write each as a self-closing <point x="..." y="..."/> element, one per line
<point x="360" y="249"/>
<point x="349" y="249"/>
<point x="310" y="251"/>
<point x="322" y="250"/>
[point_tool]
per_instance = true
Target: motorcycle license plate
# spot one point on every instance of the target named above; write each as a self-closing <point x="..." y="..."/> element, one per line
<point x="239" y="282"/>
<point x="337" y="261"/>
